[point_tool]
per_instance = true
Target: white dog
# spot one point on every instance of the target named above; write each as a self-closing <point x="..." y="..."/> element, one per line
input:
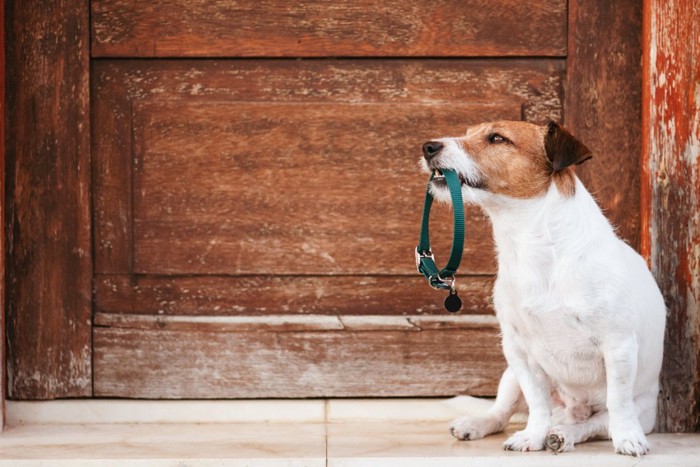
<point x="581" y="316"/>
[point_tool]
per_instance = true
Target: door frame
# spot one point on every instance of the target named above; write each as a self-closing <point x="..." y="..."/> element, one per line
<point x="47" y="216"/>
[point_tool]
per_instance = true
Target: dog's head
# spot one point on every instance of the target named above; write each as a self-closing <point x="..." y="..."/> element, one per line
<point x="506" y="159"/>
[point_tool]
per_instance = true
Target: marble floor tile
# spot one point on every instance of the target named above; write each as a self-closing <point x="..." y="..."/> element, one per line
<point x="356" y="433"/>
<point x="293" y="444"/>
<point x="406" y="444"/>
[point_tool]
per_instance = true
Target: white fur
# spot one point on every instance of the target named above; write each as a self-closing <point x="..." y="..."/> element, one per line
<point x="581" y="316"/>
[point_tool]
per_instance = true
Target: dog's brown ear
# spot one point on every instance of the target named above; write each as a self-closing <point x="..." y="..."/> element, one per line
<point x="563" y="149"/>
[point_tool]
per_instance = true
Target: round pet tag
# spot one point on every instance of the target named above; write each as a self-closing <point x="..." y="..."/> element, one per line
<point x="453" y="303"/>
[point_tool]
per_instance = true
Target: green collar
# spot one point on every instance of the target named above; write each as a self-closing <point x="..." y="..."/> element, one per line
<point x="425" y="262"/>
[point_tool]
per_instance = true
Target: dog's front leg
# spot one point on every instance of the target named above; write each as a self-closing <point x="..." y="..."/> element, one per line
<point x="621" y="371"/>
<point x="535" y="387"/>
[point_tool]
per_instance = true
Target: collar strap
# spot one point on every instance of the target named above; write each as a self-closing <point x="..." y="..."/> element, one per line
<point x="425" y="261"/>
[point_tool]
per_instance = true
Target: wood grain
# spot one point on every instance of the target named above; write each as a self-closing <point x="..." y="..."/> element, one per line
<point x="534" y="85"/>
<point x="112" y="180"/>
<point x="294" y="322"/>
<point x="672" y="187"/>
<point x="47" y="223"/>
<point x="3" y="361"/>
<point x="271" y="295"/>
<point x="302" y="188"/>
<point x="277" y="28"/>
<point x="603" y="104"/>
<point x="454" y="357"/>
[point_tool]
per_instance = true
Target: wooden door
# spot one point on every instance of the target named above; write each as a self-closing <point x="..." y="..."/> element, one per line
<point x="256" y="213"/>
<point x="253" y="199"/>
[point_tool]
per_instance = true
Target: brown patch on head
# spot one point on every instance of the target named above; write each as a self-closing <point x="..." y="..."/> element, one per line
<point x="510" y="156"/>
<point x="521" y="159"/>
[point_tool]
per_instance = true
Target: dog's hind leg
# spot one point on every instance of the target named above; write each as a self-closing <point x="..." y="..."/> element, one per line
<point x="645" y="407"/>
<point x="508" y="399"/>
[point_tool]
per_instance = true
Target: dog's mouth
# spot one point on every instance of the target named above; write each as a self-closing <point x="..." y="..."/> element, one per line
<point x="440" y="182"/>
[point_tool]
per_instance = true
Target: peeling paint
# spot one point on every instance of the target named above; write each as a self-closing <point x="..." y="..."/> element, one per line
<point x="672" y="77"/>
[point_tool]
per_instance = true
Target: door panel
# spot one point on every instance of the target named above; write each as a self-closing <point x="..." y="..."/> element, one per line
<point x="456" y="92"/>
<point x="255" y="221"/>
<point x="274" y="28"/>
<point x="152" y="357"/>
<point x="289" y="188"/>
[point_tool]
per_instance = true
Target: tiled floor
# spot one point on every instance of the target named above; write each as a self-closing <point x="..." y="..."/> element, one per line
<point x="304" y="433"/>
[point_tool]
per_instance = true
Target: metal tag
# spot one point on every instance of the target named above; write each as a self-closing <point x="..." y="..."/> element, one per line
<point x="453" y="303"/>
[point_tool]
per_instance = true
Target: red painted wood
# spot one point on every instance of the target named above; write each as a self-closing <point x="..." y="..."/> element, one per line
<point x="672" y="186"/>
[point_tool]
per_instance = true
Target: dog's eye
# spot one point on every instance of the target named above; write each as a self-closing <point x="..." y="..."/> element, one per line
<point x="495" y="138"/>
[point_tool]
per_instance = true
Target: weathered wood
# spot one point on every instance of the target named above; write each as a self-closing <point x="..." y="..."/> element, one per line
<point x="268" y="323"/>
<point x="204" y="28"/>
<point x="291" y="188"/>
<point x="112" y="190"/>
<point x="186" y="363"/>
<point x="603" y="104"/>
<point x="2" y="215"/>
<point x="672" y="191"/>
<point x="293" y="322"/>
<point x="49" y="257"/>
<point x="269" y="295"/>
<point x="534" y="85"/>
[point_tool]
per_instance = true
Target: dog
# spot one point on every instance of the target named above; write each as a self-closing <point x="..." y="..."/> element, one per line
<point x="582" y="319"/>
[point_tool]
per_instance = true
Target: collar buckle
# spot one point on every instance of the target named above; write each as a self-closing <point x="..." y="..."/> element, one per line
<point x="419" y="258"/>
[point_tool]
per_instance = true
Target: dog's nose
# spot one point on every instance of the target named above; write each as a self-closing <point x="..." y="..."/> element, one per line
<point x="432" y="149"/>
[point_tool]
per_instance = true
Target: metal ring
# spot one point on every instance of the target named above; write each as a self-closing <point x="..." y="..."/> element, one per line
<point x="447" y="281"/>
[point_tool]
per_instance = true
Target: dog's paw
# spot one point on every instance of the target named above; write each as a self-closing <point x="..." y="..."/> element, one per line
<point x="559" y="440"/>
<point x="631" y="444"/>
<point x="470" y="428"/>
<point x="525" y="441"/>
